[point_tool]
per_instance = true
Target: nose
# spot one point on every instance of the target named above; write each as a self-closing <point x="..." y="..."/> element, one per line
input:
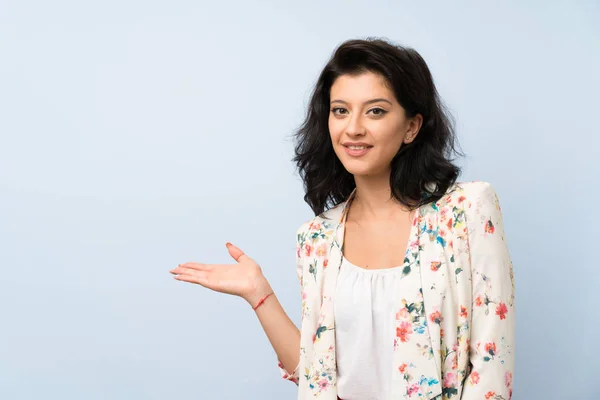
<point x="355" y="126"/>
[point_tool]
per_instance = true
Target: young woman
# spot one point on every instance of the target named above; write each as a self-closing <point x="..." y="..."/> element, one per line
<point x="407" y="283"/>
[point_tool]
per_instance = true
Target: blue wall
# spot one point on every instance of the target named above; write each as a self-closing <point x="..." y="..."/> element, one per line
<point x="135" y="135"/>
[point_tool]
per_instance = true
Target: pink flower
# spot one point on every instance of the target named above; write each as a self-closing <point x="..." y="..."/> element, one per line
<point x="508" y="379"/>
<point x="489" y="227"/>
<point x="491" y="348"/>
<point x="436" y="317"/>
<point x="413" y="389"/>
<point x="314" y="226"/>
<point x="402" y="313"/>
<point x="463" y="312"/>
<point x="443" y="213"/>
<point x="404" y="331"/>
<point x="321" y="250"/>
<point x="474" y="377"/>
<point x="450" y="379"/>
<point x="501" y="310"/>
<point x="323" y="384"/>
<point x="307" y="249"/>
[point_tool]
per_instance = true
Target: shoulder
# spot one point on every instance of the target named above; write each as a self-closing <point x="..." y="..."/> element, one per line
<point x="481" y="208"/>
<point x="476" y="189"/>
<point x="469" y="194"/>
<point x="480" y="195"/>
<point x="466" y="202"/>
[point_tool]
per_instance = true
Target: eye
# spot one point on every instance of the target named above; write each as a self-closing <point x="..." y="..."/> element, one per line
<point x="378" y="111"/>
<point x="338" y="110"/>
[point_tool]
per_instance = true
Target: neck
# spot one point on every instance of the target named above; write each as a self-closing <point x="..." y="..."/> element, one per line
<point x="374" y="199"/>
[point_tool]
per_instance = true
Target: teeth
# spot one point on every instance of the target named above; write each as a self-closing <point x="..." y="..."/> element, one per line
<point x="357" y="147"/>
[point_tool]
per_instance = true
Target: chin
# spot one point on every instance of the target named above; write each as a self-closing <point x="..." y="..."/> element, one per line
<point x="357" y="169"/>
<point x="363" y="168"/>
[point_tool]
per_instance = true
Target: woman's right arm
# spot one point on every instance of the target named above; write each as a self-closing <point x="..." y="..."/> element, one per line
<point x="245" y="279"/>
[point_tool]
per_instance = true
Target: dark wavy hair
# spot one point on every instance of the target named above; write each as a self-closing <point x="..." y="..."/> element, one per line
<point x="422" y="171"/>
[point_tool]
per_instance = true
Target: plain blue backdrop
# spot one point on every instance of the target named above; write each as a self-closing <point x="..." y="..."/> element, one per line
<point x="135" y="135"/>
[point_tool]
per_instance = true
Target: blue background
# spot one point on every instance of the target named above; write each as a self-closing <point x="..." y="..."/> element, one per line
<point x="135" y="135"/>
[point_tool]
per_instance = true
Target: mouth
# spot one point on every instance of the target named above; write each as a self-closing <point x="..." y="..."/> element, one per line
<point x="357" y="150"/>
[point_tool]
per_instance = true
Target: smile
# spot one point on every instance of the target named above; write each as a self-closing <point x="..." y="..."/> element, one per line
<point x="357" y="150"/>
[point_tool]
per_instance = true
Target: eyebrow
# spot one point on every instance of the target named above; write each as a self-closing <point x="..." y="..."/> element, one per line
<point x="366" y="102"/>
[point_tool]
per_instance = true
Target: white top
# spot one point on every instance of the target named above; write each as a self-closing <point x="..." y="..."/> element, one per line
<point x="365" y="313"/>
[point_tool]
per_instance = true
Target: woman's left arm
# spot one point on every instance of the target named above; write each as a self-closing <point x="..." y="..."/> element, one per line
<point x="491" y="353"/>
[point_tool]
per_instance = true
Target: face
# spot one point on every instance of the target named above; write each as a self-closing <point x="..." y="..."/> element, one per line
<point x="367" y="124"/>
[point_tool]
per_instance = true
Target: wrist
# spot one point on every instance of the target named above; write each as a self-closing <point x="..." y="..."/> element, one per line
<point x="260" y="289"/>
<point x="262" y="300"/>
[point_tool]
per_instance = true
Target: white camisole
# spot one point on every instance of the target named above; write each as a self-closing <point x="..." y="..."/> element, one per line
<point x="365" y="308"/>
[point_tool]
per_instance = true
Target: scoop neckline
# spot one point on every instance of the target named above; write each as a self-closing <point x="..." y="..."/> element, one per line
<point x="413" y="234"/>
<point x="373" y="270"/>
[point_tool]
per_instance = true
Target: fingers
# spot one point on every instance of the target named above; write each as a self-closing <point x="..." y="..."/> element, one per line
<point x="200" y="280"/>
<point x="197" y="266"/>
<point x="191" y="275"/>
<point x="237" y="254"/>
<point x="184" y="269"/>
<point x="234" y="252"/>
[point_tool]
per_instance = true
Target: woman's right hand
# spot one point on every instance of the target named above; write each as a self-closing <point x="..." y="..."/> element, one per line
<point x="244" y="278"/>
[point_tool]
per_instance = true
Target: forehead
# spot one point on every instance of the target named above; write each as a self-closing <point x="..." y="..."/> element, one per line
<point x="362" y="87"/>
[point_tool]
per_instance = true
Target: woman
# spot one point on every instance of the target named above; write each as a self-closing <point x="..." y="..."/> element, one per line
<point x="407" y="283"/>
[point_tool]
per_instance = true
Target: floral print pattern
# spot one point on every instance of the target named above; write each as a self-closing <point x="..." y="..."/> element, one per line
<point x="454" y="333"/>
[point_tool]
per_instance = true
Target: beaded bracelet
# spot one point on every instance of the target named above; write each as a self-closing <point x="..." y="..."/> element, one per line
<point x="261" y="301"/>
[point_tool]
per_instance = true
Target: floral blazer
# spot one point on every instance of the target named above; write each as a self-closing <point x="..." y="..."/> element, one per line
<point x="454" y="331"/>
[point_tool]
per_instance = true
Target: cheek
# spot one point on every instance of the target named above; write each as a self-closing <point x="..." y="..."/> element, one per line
<point x="392" y="142"/>
<point x="388" y="145"/>
<point x="334" y="129"/>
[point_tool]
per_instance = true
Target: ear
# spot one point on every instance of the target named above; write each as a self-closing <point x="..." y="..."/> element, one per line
<point x="413" y="128"/>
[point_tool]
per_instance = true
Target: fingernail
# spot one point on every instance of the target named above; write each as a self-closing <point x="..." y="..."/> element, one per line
<point x="228" y="244"/>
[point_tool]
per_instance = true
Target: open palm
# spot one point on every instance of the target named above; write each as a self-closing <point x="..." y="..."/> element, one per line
<point x="239" y="279"/>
